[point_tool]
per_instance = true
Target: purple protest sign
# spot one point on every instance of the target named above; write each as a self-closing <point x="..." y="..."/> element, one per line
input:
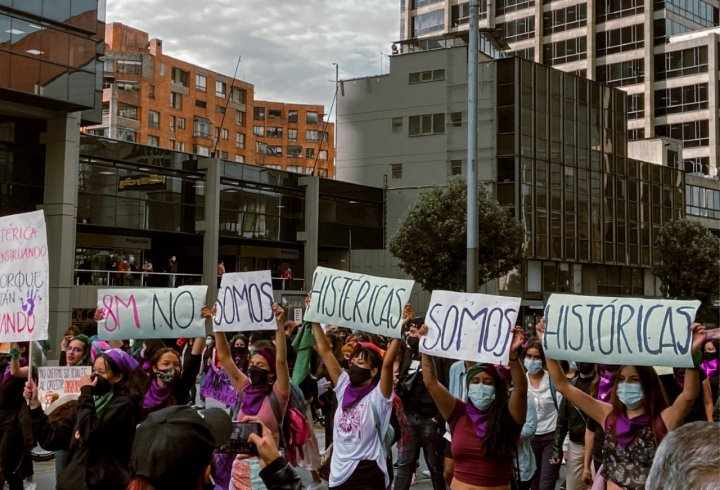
<point x="217" y="385"/>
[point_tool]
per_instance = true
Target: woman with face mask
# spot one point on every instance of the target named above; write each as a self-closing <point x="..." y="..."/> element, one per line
<point x="266" y="383"/>
<point x="486" y="429"/>
<point x="546" y="404"/>
<point x="170" y="382"/>
<point x="711" y="367"/>
<point x="239" y="348"/>
<point x="637" y="417"/>
<point x="98" y="434"/>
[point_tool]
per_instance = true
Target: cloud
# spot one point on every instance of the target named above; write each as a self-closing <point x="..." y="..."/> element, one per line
<point x="287" y="46"/>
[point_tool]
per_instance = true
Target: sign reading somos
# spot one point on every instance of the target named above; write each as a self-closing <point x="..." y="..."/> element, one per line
<point x="245" y="302"/>
<point x="367" y="303"/>
<point x="642" y="332"/>
<point x="151" y="313"/>
<point x="471" y="327"/>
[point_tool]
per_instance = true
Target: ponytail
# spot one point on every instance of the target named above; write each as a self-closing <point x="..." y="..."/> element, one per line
<point x="140" y="483"/>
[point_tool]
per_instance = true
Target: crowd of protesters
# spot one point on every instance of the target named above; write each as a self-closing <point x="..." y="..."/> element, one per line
<point x="137" y="424"/>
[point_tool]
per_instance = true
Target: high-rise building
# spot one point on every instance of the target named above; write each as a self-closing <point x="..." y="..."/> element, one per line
<point x="664" y="53"/>
<point x="157" y="100"/>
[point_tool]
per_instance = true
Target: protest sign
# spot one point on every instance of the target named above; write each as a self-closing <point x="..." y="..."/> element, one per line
<point x="245" y="302"/>
<point x="643" y="332"/>
<point x="217" y="385"/>
<point x="56" y="381"/>
<point x="367" y="303"/>
<point x="470" y="327"/>
<point x="24" y="290"/>
<point x="151" y="313"/>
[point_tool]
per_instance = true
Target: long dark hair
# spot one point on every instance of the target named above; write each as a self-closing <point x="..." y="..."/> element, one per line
<point x="654" y="397"/>
<point x="131" y="384"/>
<point x="498" y="441"/>
<point x="86" y="360"/>
<point x="535" y="344"/>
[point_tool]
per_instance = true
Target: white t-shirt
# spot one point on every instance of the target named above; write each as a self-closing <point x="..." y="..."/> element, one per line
<point x="547" y="414"/>
<point x="355" y="436"/>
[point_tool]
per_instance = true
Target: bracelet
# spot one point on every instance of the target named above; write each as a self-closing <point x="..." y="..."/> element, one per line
<point x="513" y="360"/>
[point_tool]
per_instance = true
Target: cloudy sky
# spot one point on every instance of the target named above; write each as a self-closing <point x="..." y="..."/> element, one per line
<point x="287" y="46"/>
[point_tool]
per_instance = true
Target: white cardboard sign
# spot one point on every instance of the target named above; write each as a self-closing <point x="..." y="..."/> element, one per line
<point x="59" y="380"/>
<point x="245" y="302"/>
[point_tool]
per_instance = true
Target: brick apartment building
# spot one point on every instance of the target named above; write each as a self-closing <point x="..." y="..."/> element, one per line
<point x="161" y="101"/>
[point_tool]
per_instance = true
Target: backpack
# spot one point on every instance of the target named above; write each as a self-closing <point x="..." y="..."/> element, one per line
<point x="295" y="430"/>
<point x="388" y="439"/>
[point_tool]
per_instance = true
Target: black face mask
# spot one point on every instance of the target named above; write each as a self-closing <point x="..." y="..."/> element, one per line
<point x="413" y="342"/>
<point x="709" y="356"/>
<point x="585" y="368"/>
<point x="239" y="351"/>
<point x="258" y="377"/>
<point x="103" y="386"/>
<point x="358" y="375"/>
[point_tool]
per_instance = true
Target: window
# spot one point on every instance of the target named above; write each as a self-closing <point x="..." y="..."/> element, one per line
<point x="180" y="77"/>
<point x="312" y="135"/>
<point x="259" y="113"/>
<point x="201" y="150"/>
<point x="309" y="152"/>
<point x="665" y="28"/>
<point x="224" y="155"/>
<point x="237" y="95"/>
<point x="565" y="51"/>
<point x="427" y="124"/>
<point x="294" y="151"/>
<point x="456" y="119"/>
<point x="162" y="69"/>
<point x="311" y="117"/>
<point x="695" y="10"/>
<point x="220" y="89"/>
<point x="427" y="23"/>
<point x="153" y="119"/>
<point x="322" y="172"/>
<point x="396" y="171"/>
<point x="636" y="106"/>
<point x="128" y="86"/>
<point x="460" y="14"/>
<point x="126" y="134"/>
<point x="527" y="53"/>
<point x="681" y="63"/>
<point x="681" y="99"/>
<point x="153" y="141"/>
<point x="108" y="66"/>
<point x="200" y="103"/>
<point x="175" y="100"/>
<point x="274" y="132"/>
<point x="416" y="4"/>
<point x="240" y="140"/>
<point x="239" y="118"/>
<point x="181" y="146"/>
<point x="455" y="167"/>
<point x="308" y="170"/>
<point x="620" y="40"/>
<point x="621" y="74"/>
<point x="172" y="124"/>
<point x="322" y="155"/>
<point x="259" y="131"/>
<point x="201" y="127"/>
<point x="636" y="134"/>
<point x="564" y="19"/>
<point x="697" y="165"/>
<point x="517" y="30"/>
<point x="274" y="150"/>
<point x="615" y="9"/>
<point x="220" y="109"/>
<point x="239" y="159"/>
<point x="427" y="76"/>
<point x="274" y="114"/>
<point x="225" y="134"/>
<point x="127" y="111"/>
<point x="692" y="134"/>
<point x="260" y="147"/>
<point x="293" y="116"/>
<point x="295" y="169"/>
<point x="201" y="83"/>
<point x="506" y="6"/>
<point x="181" y="122"/>
<point x="151" y="91"/>
<point x="397" y="123"/>
<point x="292" y="134"/>
<point x="131" y="67"/>
<point x="701" y="201"/>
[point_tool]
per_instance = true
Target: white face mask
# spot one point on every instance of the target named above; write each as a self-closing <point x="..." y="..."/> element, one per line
<point x="481" y="395"/>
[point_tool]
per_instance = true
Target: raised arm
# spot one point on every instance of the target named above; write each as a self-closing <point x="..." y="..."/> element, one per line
<point x="593" y="408"/>
<point x="15" y="369"/>
<point x="674" y="415"/>
<point x="238" y="379"/>
<point x="198" y="346"/>
<point x="518" y="398"/>
<point x="323" y="347"/>
<point x="441" y="396"/>
<point x="386" y="377"/>
<point x="707" y="399"/>
<point x="281" y="364"/>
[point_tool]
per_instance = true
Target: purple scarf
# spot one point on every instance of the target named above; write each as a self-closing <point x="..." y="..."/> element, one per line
<point x="156" y="395"/>
<point x="479" y="418"/>
<point x="710" y="367"/>
<point x="605" y="385"/>
<point x="353" y="395"/>
<point x="7" y="373"/>
<point x="252" y="399"/>
<point x="627" y="428"/>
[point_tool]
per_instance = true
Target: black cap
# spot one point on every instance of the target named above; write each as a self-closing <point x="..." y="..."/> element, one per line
<point x="173" y="446"/>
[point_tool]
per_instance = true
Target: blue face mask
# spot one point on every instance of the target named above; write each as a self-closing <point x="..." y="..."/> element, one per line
<point x="533" y="366"/>
<point x="481" y="395"/>
<point x="630" y="394"/>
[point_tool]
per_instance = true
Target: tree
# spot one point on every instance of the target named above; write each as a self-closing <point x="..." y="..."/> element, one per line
<point x="431" y="242"/>
<point x="689" y="261"/>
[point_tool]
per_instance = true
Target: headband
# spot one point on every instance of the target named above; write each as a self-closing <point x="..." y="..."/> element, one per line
<point x="124" y="361"/>
<point x="269" y="357"/>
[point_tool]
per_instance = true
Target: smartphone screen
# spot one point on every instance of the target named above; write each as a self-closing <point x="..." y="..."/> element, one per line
<point x="238" y="442"/>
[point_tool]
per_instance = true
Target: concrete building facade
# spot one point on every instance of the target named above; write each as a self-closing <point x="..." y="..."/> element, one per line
<point x="663" y="53"/>
<point x="157" y="100"/>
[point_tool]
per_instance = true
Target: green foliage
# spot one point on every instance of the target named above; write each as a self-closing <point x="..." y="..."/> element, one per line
<point x="689" y="261"/>
<point x="431" y="242"/>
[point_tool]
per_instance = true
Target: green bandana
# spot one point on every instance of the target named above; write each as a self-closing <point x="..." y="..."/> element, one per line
<point x="102" y="401"/>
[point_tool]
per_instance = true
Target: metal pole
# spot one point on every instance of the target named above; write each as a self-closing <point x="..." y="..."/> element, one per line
<point x="472" y="177"/>
<point x="337" y="104"/>
<point x="212" y="228"/>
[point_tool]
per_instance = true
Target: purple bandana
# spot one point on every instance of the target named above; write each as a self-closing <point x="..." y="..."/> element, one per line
<point x="626" y="429"/>
<point x="7" y="373"/>
<point x="479" y="418"/>
<point x="710" y="367"/>
<point x="353" y="395"/>
<point x="156" y="395"/>
<point x="605" y="385"/>
<point x="252" y="399"/>
<point x="124" y="361"/>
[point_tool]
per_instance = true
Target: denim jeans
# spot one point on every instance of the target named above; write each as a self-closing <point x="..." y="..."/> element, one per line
<point x="425" y="433"/>
<point x="546" y="475"/>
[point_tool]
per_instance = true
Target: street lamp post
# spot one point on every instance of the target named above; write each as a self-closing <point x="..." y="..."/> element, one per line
<point x="472" y="176"/>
